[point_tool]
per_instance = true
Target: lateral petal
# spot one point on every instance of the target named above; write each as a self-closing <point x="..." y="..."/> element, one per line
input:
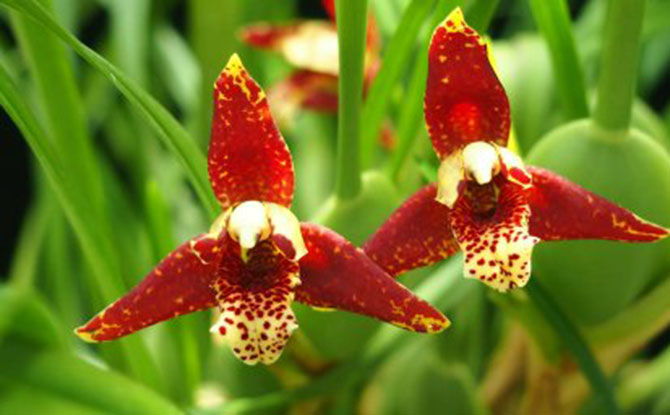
<point x="248" y="158"/>
<point x="417" y="234"/>
<point x="465" y="101"/>
<point x="564" y="210"/>
<point x="335" y="274"/>
<point x="180" y="284"/>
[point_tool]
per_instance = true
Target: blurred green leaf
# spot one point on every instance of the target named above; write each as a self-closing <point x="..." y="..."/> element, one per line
<point x="173" y="134"/>
<point x="553" y="19"/>
<point x="71" y="379"/>
<point x="96" y="248"/>
<point x="394" y="63"/>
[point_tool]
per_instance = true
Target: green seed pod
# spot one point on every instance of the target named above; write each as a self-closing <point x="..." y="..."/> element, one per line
<point x="593" y="280"/>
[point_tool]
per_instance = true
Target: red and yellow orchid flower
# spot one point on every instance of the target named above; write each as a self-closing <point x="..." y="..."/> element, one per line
<point x="312" y="47"/>
<point x="257" y="258"/>
<point x="486" y="202"/>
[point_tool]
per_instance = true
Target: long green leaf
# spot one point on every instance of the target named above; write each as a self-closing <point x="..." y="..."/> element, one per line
<point x="394" y="63"/>
<point x="166" y="126"/>
<point x="553" y="19"/>
<point x="77" y="210"/>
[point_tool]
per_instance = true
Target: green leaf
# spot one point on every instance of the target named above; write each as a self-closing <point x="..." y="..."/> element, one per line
<point x="72" y="379"/>
<point x="553" y="19"/>
<point x="395" y="62"/>
<point x="97" y="249"/>
<point x="176" y="139"/>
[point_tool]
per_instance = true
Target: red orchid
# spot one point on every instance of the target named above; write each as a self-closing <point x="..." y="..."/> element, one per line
<point x="311" y="46"/>
<point x="257" y="257"/>
<point x="486" y="202"/>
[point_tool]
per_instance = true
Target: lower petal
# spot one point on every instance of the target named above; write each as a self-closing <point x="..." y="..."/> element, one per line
<point x="496" y="244"/>
<point x="255" y="302"/>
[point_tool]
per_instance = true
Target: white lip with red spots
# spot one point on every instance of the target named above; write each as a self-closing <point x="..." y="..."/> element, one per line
<point x="497" y="248"/>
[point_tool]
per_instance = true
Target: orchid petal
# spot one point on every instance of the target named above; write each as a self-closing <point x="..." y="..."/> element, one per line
<point x="563" y="210"/>
<point x="248" y="158"/>
<point x="496" y="244"/>
<point x="335" y="274"/>
<point x="465" y="101"/>
<point x="286" y="232"/>
<point x="180" y="284"/>
<point x="513" y="168"/>
<point x="417" y="234"/>
<point x="310" y="44"/>
<point x="450" y="179"/>
<point x="329" y="5"/>
<point x="303" y="90"/>
<point x="255" y="298"/>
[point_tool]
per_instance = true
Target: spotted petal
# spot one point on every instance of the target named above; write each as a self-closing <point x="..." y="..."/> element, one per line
<point x="248" y="158"/>
<point x="417" y="234"/>
<point x="465" y="101"/>
<point x="494" y="235"/>
<point x="335" y="274"/>
<point x="563" y="210"/>
<point x="255" y="301"/>
<point x="180" y="284"/>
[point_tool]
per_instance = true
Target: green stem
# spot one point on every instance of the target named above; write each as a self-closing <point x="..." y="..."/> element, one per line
<point x="553" y="20"/>
<point x="616" y="85"/>
<point x="575" y="344"/>
<point x="351" y="31"/>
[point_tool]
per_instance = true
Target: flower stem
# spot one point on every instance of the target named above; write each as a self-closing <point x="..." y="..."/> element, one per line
<point x="351" y="31"/>
<point x="553" y="20"/>
<point x="616" y="85"/>
<point x="575" y="344"/>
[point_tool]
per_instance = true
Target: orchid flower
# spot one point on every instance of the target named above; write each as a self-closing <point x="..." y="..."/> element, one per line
<point x="257" y="258"/>
<point x="486" y="202"/>
<point x="312" y="47"/>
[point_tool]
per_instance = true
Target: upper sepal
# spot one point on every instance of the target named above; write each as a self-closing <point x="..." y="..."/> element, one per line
<point x="564" y="210"/>
<point x="248" y="158"/>
<point x="335" y="274"/>
<point x="465" y="101"/>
